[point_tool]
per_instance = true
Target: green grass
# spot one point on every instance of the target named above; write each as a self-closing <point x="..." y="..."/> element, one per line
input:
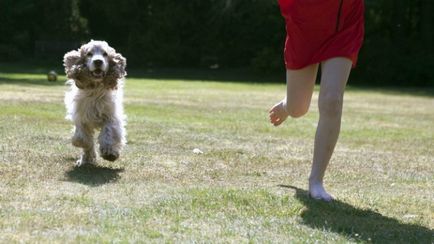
<point x="248" y="185"/>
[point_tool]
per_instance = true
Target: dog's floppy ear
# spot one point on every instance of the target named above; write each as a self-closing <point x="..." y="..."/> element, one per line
<point x="73" y="63"/>
<point x="117" y="65"/>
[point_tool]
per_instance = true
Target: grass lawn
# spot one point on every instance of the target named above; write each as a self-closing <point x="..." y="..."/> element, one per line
<point x="247" y="186"/>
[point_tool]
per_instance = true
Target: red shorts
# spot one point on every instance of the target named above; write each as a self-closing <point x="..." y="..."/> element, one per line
<point x="321" y="29"/>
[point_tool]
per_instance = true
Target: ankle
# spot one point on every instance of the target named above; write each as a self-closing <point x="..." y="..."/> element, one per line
<point x="315" y="181"/>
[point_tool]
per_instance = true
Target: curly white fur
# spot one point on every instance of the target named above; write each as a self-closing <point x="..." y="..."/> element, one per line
<point x="95" y="100"/>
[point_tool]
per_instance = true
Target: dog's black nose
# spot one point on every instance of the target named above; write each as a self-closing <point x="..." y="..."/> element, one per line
<point x="97" y="62"/>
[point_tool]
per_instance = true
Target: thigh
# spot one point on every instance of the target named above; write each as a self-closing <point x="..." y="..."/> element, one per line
<point x="300" y="84"/>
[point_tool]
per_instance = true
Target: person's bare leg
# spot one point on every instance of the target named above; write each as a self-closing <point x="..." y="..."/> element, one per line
<point x="299" y="89"/>
<point x="335" y="73"/>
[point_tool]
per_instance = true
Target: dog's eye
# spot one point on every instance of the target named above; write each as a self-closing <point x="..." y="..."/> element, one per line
<point x="104" y="54"/>
<point x="89" y="54"/>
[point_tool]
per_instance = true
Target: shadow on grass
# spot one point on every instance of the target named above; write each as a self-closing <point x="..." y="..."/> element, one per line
<point x="93" y="175"/>
<point x="359" y="224"/>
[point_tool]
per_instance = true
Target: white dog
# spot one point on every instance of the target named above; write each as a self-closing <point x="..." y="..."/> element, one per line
<point x="96" y="76"/>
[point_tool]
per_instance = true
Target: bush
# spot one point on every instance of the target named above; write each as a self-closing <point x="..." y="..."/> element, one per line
<point x="10" y="53"/>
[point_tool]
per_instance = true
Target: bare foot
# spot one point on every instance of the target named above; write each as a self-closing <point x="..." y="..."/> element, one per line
<point x="317" y="191"/>
<point x="278" y="114"/>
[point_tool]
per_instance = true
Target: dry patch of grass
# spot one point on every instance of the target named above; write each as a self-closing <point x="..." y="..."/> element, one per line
<point x="246" y="186"/>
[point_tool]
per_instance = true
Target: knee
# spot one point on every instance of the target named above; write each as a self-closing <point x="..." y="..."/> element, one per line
<point x="330" y="105"/>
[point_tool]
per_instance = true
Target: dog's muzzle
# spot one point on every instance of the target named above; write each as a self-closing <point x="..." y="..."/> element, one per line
<point x="98" y="73"/>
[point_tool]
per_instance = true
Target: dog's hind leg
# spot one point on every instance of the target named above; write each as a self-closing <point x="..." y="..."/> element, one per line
<point x="83" y="137"/>
<point x="111" y="140"/>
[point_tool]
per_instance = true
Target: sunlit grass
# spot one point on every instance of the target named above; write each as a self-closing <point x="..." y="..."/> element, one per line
<point x="246" y="186"/>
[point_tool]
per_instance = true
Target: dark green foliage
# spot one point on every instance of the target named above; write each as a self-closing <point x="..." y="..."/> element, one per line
<point x="14" y="34"/>
<point x="398" y="46"/>
<point x="399" y="43"/>
<point x="28" y="27"/>
<point x="190" y="33"/>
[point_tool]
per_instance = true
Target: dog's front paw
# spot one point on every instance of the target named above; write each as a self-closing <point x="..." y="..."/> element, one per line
<point x="109" y="154"/>
<point x="85" y="159"/>
<point x="79" y="141"/>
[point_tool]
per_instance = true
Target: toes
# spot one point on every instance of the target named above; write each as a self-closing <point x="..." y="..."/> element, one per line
<point x="315" y="197"/>
<point x="278" y="122"/>
<point x="328" y="198"/>
<point x="320" y="197"/>
<point x="320" y="194"/>
<point x="273" y="118"/>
